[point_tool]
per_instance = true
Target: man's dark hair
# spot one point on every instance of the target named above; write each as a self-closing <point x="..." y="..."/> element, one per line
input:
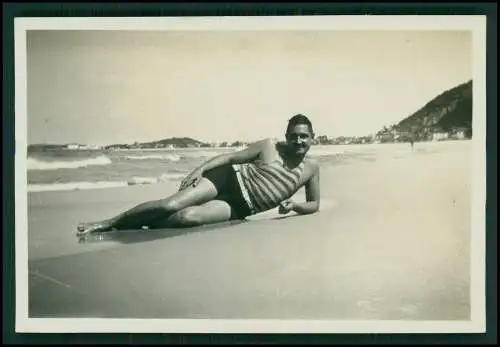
<point x="297" y="120"/>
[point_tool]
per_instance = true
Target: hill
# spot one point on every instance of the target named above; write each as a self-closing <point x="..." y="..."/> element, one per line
<point x="178" y="142"/>
<point x="448" y="112"/>
<point x="181" y="142"/>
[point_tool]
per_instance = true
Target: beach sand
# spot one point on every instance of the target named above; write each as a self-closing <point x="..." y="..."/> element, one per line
<point x="391" y="242"/>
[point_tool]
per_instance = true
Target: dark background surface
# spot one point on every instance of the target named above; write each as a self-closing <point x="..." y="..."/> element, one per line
<point x="11" y="11"/>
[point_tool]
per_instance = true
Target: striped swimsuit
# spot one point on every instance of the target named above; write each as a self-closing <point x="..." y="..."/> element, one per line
<point x="265" y="185"/>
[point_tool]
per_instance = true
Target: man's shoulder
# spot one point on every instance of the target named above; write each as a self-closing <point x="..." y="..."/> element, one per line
<point x="267" y="141"/>
<point x="311" y="165"/>
<point x="312" y="162"/>
<point x="260" y="145"/>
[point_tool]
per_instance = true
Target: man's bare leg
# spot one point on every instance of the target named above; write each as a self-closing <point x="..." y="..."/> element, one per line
<point x="146" y="212"/>
<point x="214" y="211"/>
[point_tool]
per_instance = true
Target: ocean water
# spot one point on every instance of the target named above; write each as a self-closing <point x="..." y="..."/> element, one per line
<point x="96" y="169"/>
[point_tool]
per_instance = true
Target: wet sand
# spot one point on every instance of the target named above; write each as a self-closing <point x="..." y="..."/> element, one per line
<point x="391" y="242"/>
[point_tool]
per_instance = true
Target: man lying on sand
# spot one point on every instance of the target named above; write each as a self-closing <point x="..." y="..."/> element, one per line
<point x="234" y="186"/>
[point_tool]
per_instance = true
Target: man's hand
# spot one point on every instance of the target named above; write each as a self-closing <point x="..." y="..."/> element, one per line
<point x="191" y="180"/>
<point x="286" y="206"/>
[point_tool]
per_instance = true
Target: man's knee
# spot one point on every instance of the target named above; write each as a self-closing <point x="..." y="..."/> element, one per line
<point x="170" y="205"/>
<point x="189" y="217"/>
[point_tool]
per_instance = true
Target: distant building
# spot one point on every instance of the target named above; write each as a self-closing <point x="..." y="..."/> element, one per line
<point x="459" y="133"/>
<point x="75" y="146"/>
<point x="440" y="136"/>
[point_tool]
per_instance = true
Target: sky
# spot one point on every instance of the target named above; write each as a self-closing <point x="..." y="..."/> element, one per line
<point x="104" y="87"/>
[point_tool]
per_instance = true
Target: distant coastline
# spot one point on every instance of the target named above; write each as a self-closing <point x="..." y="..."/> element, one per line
<point x="446" y="117"/>
<point x="169" y="143"/>
<point x="391" y="137"/>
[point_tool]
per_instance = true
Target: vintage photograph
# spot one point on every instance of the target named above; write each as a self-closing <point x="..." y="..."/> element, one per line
<point x="324" y="172"/>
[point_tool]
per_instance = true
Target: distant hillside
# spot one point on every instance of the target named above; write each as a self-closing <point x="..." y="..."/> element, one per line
<point x="447" y="112"/>
<point x="175" y="141"/>
<point x="178" y="142"/>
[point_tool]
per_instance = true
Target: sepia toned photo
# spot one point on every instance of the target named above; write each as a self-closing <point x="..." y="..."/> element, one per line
<point x="307" y="174"/>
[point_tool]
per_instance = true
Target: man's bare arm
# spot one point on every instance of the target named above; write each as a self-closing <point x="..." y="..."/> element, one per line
<point x="312" y="191"/>
<point x="239" y="157"/>
<point x="246" y="155"/>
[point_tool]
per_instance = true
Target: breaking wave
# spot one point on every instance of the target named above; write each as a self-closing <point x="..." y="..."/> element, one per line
<point x="85" y="185"/>
<point x="168" y="157"/>
<point x="37" y="164"/>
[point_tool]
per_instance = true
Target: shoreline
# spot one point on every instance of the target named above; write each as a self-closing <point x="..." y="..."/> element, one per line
<point x="102" y="148"/>
<point x="176" y="176"/>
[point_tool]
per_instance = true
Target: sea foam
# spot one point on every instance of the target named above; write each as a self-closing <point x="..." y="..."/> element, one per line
<point x="37" y="164"/>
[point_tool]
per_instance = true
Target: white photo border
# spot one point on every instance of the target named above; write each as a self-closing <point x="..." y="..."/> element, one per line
<point x="474" y="23"/>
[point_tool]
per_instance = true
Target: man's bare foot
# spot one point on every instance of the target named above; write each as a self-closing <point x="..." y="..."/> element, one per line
<point x="84" y="229"/>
